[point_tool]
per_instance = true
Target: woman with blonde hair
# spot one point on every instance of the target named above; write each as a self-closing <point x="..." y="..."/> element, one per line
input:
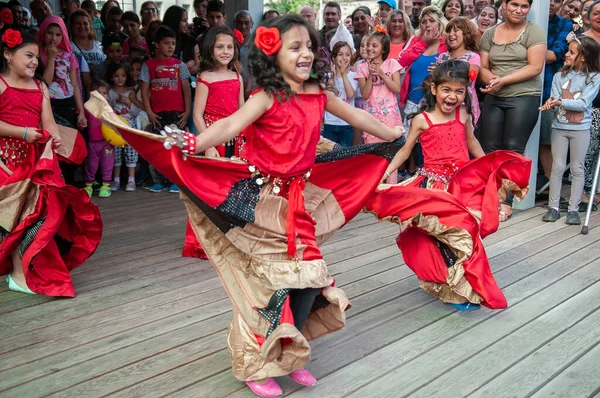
<point x="400" y="31"/>
<point x="84" y="43"/>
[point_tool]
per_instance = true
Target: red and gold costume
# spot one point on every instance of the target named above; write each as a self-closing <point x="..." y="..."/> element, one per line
<point x="444" y="223"/>
<point x="52" y="226"/>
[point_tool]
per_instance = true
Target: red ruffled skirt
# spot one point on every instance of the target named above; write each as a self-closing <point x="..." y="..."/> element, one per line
<point x="52" y="226"/>
<point x="443" y="224"/>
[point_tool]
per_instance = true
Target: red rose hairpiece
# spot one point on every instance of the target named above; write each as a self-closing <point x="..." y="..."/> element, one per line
<point x="381" y="29"/>
<point x="6" y="16"/>
<point x="12" y="38"/>
<point x="238" y="36"/>
<point x="472" y="75"/>
<point x="268" y="40"/>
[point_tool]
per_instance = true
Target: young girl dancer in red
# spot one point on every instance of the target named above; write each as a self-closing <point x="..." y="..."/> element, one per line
<point x="444" y="222"/>
<point x="47" y="228"/>
<point x="261" y="219"/>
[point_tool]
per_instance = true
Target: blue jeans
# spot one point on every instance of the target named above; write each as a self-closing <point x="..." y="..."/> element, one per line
<point x="341" y="134"/>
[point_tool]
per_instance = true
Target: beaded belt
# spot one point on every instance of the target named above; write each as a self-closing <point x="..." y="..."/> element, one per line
<point x="295" y="185"/>
<point x="442" y="173"/>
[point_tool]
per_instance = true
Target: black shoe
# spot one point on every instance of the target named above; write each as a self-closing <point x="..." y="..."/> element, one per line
<point x="573" y="218"/>
<point x="551" y="216"/>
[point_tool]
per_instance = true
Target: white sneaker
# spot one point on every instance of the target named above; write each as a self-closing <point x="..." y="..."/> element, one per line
<point x="130" y="187"/>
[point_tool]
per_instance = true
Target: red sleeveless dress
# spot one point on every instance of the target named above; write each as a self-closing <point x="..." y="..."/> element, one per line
<point x="262" y="219"/>
<point x="53" y="227"/>
<point x="223" y="100"/>
<point x="447" y="220"/>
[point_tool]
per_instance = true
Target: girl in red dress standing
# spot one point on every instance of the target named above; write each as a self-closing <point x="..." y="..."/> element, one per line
<point x="261" y="218"/>
<point x="47" y="228"/>
<point x="442" y="241"/>
<point x="219" y="93"/>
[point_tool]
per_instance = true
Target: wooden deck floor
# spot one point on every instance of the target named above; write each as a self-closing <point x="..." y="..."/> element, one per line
<point x="148" y="323"/>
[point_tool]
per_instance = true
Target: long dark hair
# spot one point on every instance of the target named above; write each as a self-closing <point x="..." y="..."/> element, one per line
<point x="460" y="2"/>
<point x="449" y="71"/>
<point x="27" y="40"/>
<point x="264" y="68"/>
<point x="589" y="49"/>
<point x="183" y="43"/>
<point x="113" y="67"/>
<point x="207" y="50"/>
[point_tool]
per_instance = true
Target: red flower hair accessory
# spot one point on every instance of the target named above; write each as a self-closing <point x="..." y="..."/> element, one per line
<point x="381" y="29"/>
<point x="12" y="38"/>
<point x="6" y="16"/>
<point x="472" y="75"/>
<point x="238" y="36"/>
<point x="268" y="40"/>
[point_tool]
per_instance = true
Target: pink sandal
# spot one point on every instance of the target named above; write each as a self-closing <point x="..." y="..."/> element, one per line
<point x="270" y="389"/>
<point x="304" y="378"/>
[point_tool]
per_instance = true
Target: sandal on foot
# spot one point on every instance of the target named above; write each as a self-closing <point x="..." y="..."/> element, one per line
<point x="12" y="285"/>
<point x="504" y="216"/>
<point x="304" y="378"/>
<point x="270" y="389"/>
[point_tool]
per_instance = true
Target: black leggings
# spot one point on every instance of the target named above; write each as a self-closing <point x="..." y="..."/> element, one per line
<point x="301" y="302"/>
<point x="507" y="123"/>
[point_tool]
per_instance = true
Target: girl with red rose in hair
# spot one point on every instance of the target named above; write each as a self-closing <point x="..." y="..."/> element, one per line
<point x="261" y="217"/>
<point x="219" y="94"/>
<point x="47" y="228"/>
<point x="441" y="236"/>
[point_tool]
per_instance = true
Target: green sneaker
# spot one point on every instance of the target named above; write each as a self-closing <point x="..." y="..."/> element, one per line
<point x="88" y="188"/>
<point x="105" y="191"/>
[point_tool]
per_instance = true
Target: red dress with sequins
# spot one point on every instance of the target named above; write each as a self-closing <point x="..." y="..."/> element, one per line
<point x="262" y="218"/>
<point x="223" y="100"/>
<point x="51" y="226"/>
<point x="446" y="221"/>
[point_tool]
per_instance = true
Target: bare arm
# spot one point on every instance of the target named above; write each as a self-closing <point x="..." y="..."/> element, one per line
<point x="199" y="106"/>
<point x="392" y="83"/>
<point x="366" y="86"/>
<point x="133" y="98"/>
<point x="485" y="75"/>
<point x="81" y="120"/>
<point x="416" y="128"/>
<point x="86" y="78"/>
<point x="347" y="85"/>
<point x="361" y="119"/>
<point x="472" y="142"/>
<point x="49" y="71"/>
<point x="226" y="129"/>
<point x="48" y="122"/>
<point x="241" y="99"/>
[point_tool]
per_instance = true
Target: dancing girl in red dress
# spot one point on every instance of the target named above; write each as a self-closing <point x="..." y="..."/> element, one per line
<point x="47" y="228"/>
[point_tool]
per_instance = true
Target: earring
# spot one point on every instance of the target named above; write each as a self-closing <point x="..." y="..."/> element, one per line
<point x="9" y="61"/>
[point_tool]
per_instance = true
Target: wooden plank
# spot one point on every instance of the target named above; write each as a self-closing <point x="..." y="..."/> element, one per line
<point x="379" y="337"/>
<point x="67" y="358"/>
<point x="473" y="358"/>
<point x="407" y="345"/>
<point x="580" y="379"/>
<point x="541" y="366"/>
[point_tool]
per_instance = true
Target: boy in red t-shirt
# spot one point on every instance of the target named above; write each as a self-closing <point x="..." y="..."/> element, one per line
<point x="166" y="92"/>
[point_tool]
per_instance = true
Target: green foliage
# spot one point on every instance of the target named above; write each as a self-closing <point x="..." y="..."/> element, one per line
<point x="288" y="6"/>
